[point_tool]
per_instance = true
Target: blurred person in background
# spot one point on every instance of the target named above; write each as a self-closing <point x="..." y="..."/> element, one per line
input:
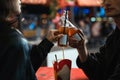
<point x="105" y="64"/>
<point x="95" y="36"/>
<point x="18" y="59"/>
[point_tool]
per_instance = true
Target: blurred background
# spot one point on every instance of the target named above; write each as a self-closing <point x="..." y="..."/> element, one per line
<point x="39" y="16"/>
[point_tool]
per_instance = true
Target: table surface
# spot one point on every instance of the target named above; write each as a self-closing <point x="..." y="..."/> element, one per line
<point x="47" y="73"/>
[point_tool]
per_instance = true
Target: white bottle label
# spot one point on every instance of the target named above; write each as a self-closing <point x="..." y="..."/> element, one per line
<point x="77" y="36"/>
<point x="63" y="40"/>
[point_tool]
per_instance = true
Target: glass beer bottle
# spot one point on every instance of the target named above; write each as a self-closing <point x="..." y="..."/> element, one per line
<point x="74" y="32"/>
<point x="63" y="41"/>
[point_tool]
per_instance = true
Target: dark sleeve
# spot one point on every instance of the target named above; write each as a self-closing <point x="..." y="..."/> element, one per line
<point x="39" y="53"/>
<point x="93" y="64"/>
<point x="116" y="73"/>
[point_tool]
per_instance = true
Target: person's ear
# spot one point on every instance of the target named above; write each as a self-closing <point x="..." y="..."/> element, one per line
<point x="10" y="18"/>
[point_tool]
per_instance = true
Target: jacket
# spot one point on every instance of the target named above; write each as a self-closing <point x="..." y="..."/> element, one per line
<point x="105" y="64"/>
<point x="18" y="59"/>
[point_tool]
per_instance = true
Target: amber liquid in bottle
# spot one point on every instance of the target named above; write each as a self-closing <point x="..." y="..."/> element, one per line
<point x="63" y="41"/>
<point x="74" y="33"/>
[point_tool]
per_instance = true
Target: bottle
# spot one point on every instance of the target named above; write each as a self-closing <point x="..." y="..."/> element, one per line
<point x="73" y="31"/>
<point x="63" y="41"/>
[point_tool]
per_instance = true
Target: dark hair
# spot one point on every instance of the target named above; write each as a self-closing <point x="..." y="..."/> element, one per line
<point x="8" y="7"/>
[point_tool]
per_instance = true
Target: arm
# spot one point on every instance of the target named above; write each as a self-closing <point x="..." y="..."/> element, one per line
<point x="94" y="64"/>
<point x="116" y="73"/>
<point x="91" y="63"/>
<point x="39" y="53"/>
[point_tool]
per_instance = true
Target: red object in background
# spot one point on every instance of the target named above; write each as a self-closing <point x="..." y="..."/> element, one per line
<point x="59" y="68"/>
<point x="62" y="63"/>
<point x="47" y="73"/>
<point x="62" y="3"/>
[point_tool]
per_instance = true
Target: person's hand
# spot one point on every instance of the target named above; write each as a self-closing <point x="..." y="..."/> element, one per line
<point x="73" y="42"/>
<point x="53" y="35"/>
<point x="80" y="45"/>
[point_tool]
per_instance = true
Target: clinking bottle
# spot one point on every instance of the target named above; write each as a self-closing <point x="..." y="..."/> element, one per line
<point x="73" y="31"/>
<point x="64" y="28"/>
<point x="63" y="41"/>
<point x="69" y="30"/>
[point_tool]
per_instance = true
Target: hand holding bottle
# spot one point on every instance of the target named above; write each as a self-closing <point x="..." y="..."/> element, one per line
<point x="78" y="41"/>
<point x="53" y="35"/>
<point x="80" y="45"/>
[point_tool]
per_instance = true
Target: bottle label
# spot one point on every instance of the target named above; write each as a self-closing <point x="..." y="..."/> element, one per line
<point x="77" y="36"/>
<point x="63" y="40"/>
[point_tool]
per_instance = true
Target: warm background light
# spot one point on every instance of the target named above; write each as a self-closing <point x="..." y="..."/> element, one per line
<point x="34" y="1"/>
<point x="64" y="3"/>
<point x="88" y="2"/>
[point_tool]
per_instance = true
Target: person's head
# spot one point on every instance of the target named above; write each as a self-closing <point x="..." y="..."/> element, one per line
<point x="9" y="9"/>
<point x="112" y="7"/>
